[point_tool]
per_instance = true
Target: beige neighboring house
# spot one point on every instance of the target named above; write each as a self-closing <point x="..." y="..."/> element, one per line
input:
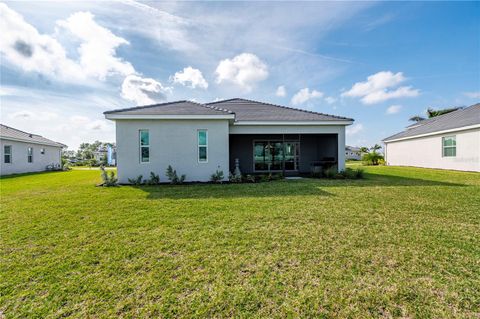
<point x="23" y="152"/>
<point x="450" y="141"/>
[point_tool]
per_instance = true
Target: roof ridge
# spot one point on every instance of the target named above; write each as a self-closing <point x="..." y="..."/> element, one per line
<point x="212" y="108"/>
<point x="144" y="106"/>
<point x="284" y="107"/>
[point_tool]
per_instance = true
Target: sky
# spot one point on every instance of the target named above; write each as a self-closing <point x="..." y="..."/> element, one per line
<point x="64" y="63"/>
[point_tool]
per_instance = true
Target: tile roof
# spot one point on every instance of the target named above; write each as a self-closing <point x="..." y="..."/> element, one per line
<point x="8" y="132"/>
<point x="457" y="119"/>
<point x="248" y="110"/>
<point x="171" y="108"/>
<point x="244" y="110"/>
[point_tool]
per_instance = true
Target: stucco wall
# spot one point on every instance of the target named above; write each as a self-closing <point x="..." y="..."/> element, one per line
<point x="337" y="130"/>
<point x="427" y="152"/>
<point x="172" y="142"/>
<point x="19" y="163"/>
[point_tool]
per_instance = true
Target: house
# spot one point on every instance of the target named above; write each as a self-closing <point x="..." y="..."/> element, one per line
<point x="449" y="141"/>
<point x="24" y="152"/>
<point x="198" y="139"/>
<point x="353" y="153"/>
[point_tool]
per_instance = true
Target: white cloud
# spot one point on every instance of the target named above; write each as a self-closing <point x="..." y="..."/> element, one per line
<point x="472" y="95"/>
<point x="244" y="70"/>
<point x="305" y="95"/>
<point x="98" y="46"/>
<point x="392" y="109"/>
<point x="38" y="116"/>
<point x="330" y="99"/>
<point x="144" y="91"/>
<point x="281" y="91"/>
<point x="190" y="77"/>
<point x="381" y="87"/>
<point x="354" y="129"/>
<point x="24" y="47"/>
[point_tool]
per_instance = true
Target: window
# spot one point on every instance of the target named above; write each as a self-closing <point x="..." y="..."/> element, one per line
<point x="144" y="146"/>
<point x="202" y="146"/>
<point x="276" y="155"/>
<point x="42" y="151"/>
<point x="449" y="145"/>
<point x="7" y="154"/>
<point x="30" y="155"/>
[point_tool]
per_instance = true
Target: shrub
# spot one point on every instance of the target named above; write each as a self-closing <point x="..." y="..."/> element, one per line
<point x="250" y="179"/>
<point x="330" y="172"/>
<point x="173" y="177"/>
<point x="136" y="181"/>
<point x="217" y="177"/>
<point x="154" y="179"/>
<point x="66" y="166"/>
<point x="109" y="178"/>
<point x="234" y="178"/>
<point x="372" y="158"/>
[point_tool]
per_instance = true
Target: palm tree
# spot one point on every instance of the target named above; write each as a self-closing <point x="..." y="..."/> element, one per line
<point x="375" y="148"/>
<point x="363" y="149"/>
<point x="433" y="113"/>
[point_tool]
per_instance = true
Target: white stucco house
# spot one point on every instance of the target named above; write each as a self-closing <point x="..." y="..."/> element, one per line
<point x="23" y="152"/>
<point x="450" y="141"/>
<point x="198" y="139"/>
<point x="353" y="153"/>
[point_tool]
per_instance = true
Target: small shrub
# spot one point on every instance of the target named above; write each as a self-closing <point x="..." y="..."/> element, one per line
<point x="373" y="158"/>
<point x="358" y="173"/>
<point x="173" y="177"/>
<point x="136" y="181"/>
<point x="109" y="178"/>
<point x="66" y="166"/>
<point x="263" y="178"/>
<point x="250" y="179"/>
<point x="234" y="178"/>
<point x="154" y="179"/>
<point x="330" y="172"/>
<point x="217" y="177"/>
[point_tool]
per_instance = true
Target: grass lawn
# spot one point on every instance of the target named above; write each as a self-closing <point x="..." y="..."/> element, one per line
<point x="404" y="242"/>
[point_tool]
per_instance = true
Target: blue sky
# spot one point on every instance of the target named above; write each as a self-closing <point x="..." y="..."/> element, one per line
<point x="62" y="65"/>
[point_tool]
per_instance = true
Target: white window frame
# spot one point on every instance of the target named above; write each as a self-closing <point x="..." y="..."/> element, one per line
<point x="140" y="146"/>
<point x="454" y="137"/>
<point x="42" y="151"/>
<point x="198" y="145"/>
<point x="9" y="154"/>
<point x="29" y="155"/>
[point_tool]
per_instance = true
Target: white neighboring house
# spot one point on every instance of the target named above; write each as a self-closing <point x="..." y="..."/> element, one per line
<point x="353" y="153"/>
<point x="23" y="152"/>
<point x="198" y="139"/>
<point x="449" y="141"/>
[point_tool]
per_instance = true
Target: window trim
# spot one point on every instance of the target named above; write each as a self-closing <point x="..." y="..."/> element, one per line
<point x="140" y="146"/>
<point x="454" y="137"/>
<point x="42" y="151"/>
<point x="29" y="155"/>
<point x="9" y="154"/>
<point x="199" y="146"/>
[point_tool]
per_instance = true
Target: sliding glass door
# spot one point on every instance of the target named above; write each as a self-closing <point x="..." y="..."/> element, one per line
<point x="273" y="155"/>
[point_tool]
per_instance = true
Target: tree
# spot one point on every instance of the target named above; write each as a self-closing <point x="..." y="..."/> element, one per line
<point x="375" y="148"/>
<point x="363" y="149"/>
<point x="416" y="118"/>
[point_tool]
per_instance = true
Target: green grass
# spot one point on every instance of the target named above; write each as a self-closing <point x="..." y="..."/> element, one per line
<point x="404" y="242"/>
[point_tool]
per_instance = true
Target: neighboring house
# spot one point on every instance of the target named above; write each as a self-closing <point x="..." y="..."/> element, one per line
<point x="353" y="153"/>
<point x="23" y="152"/>
<point x="100" y="153"/>
<point x="449" y="141"/>
<point x="198" y="139"/>
<point x="111" y="155"/>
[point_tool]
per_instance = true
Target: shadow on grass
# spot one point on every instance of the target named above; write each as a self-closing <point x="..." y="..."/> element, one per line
<point x="284" y="188"/>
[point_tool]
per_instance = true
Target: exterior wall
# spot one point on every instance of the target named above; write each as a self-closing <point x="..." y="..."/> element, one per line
<point x="352" y="155"/>
<point x="172" y="142"/>
<point x="427" y="152"/>
<point x="337" y="130"/>
<point x="19" y="162"/>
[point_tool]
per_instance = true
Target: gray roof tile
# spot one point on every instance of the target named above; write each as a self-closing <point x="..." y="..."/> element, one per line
<point x="171" y="108"/>
<point x="244" y="110"/>
<point x="456" y="119"/>
<point x="248" y="110"/>
<point x="8" y="132"/>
